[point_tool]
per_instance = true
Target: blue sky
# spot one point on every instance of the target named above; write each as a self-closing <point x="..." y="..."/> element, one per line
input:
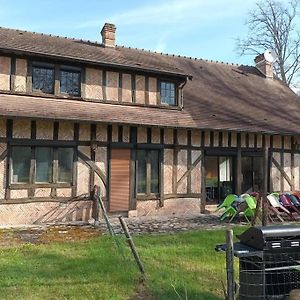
<point x="198" y="28"/>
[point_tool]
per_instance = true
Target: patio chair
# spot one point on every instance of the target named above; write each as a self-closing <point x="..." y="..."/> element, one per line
<point x="247" y="208"/>
<point x="295" y="200"/>
<point x="287" y="203"/>
<point x="278" y="209"/>
<point x="297" y="194"/>
<point x="250" y="211"/>
<point x="227" y="202"/>
<point x="231" y="210"/>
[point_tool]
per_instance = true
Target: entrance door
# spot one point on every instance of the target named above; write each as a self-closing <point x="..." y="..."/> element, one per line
<point x="119" y="180"/>
<point x="252" y="174"/>
<point x="219" y="177"/>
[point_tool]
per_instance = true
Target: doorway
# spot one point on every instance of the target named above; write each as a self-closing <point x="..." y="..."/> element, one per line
<point x="219" y="181"/>
<point x="252" y="174"/>
<point x="119" y="180"/>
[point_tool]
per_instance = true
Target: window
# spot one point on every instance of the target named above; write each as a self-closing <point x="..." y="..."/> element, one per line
<point x="55" y="79"/>
<point x="21" y="157"/>
<point x="70" y="82"/>
<point x="65" y="164"/>
<point x="147" y="172"/>
<point x="44" y="166"/>
<point x="43" y="79"/>
<point x="167" y="93"/>
<point x="44" y="158"/>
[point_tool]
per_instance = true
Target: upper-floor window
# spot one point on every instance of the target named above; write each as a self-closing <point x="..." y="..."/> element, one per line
<point x="54" y="79"/>
<point x="43" y="79"/>
<point x="70" y="82"/>
<point x="167" y="93"/>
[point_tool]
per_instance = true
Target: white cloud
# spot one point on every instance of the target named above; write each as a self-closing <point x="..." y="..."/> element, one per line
<point x="175" y="12"/>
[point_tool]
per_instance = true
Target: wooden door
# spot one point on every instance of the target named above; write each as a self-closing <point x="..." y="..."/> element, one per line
<point x="119" y="180"/>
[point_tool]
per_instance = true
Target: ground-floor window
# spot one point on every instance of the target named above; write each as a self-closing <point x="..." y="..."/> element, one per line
<point x="34" y="164"/>
<point x="147" y="172"/>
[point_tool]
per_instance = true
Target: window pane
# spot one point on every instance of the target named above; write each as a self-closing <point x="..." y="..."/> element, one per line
<point x="43" y="79"/>
<point x="167" y="93"/>
<point x="21" y="157"/>
<point x="154" y="161"/>
<point x="65" y="164"/>
<point x="70" y="82"/>
<point x="43" y="164"/>
<point x="141" y="171"/>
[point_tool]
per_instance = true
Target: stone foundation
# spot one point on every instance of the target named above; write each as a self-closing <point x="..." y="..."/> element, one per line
<point x="172" y="207"/>
<point x="45" y="212"/>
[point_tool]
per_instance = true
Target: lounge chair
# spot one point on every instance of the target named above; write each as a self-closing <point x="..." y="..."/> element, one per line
<point x="294" y="199"/>
<point x="279" y="210"/>
<point x="287" y="203"/>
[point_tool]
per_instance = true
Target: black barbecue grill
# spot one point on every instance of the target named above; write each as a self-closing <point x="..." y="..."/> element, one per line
<point x="269" y="262"/>
<point x="272" y="238"/>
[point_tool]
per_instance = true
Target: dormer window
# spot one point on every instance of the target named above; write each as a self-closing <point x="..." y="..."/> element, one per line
<point x="167" y="93"/>
<point x="61" y="80"/>
<point x="43" y="79"/>
<point x="70" y="82"/>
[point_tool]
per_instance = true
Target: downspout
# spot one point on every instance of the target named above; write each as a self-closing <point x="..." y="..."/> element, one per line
<point x="181" y="86"/>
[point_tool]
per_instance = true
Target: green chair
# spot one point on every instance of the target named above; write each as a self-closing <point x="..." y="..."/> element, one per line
<point x="250" y="210"/>
<point x="247" y="208"/>
<point x="230" y="211"/>
<point x="227" y="202"/>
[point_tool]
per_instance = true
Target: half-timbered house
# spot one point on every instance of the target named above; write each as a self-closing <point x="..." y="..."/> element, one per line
<point x="160" y="134"/>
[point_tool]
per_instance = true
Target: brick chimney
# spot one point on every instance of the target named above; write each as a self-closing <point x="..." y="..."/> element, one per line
<point x="264" y="66"/>
<point x="108" y="33"/>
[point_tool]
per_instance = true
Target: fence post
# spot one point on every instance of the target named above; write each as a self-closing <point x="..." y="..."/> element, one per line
<point x="131" y="244"/>
<point x="229" y="265"/>
<point x="265" y="187"/>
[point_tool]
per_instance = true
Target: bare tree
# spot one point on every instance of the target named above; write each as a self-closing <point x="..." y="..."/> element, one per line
<point x="275" y="24"/>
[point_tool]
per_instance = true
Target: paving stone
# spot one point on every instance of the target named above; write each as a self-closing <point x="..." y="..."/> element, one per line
<point x="160" y="224"/>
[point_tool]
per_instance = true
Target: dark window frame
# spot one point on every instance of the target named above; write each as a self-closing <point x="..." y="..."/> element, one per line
<point x="32" y="168"/>
<point x="42" y="65"/>
<point x="148" y="192"/>
<point x="176" y="94"/>
<point x="57" y="69"/>
<point x="70" y="69"/>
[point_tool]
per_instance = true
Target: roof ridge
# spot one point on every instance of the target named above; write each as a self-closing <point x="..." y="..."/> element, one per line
<point x="183" y="56"/>
<point x="53" y="36"/>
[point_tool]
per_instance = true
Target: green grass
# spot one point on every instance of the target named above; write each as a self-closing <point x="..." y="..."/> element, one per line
<point x="186" y="261"/>
<point x="95" y="270"/>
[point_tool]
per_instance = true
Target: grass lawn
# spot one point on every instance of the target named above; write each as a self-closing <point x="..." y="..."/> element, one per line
<point x="94" y="269"/>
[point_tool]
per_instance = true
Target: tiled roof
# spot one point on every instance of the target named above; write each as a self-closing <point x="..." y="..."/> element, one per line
<point x="92" y="52"/>
<point x="219" y="96"/>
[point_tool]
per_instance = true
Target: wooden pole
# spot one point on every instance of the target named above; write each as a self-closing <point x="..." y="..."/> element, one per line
<point x="238" y="188"/>
<point x="131" y="245"/>
<point x="265" y="187"/>
<point x="257" y="210"/>
<point x="229" y="264"/>
<point x="96" y="204"/>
